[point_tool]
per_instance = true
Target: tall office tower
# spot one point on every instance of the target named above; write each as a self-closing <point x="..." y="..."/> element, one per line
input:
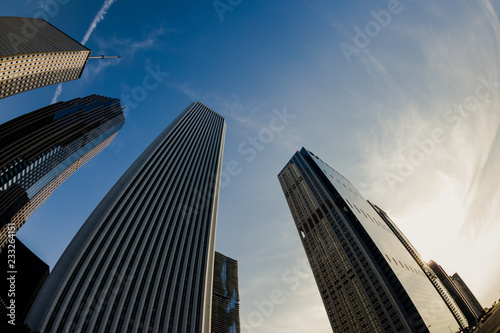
<point x="455" y="292"/>
<point x="28" y="276"/>
<point x="225" y="299"/>
<point x="478" y="308"/>
<point x="367" y="279"/>
<point x="34" y="54"/>
<point x="438" y="284"/>
<point x="143" y="260"/>
<point x="41" y="149"/>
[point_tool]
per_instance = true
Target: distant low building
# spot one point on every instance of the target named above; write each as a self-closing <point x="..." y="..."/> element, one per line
<point x="34" y="54"/>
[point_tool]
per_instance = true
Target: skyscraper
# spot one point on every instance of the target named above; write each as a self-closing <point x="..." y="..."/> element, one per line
<point x="41" y="149"/>
<point x="143" y="260"/>
<point x="455" y="292"/>
<point x="367" y="279"/>
<point x="34" y="54"/>
<point x="478" y="308"/>
<point x="438" y="284"/>
<point x="225" y="299"/>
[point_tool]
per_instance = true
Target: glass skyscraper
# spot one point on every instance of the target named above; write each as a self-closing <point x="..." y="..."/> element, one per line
<point x="471" y="298"/>
<point x="367" y="279"/>
<point x="455" y="292"/>
<point x="41" y="149"/>
<point x="454" y="307"/>
<point x="143" y="261"/>
<point x="34" y="54"/>
<point x="225" y="299"/>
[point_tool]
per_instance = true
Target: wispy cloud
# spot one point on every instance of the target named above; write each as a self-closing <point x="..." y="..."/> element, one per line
<point x="128" y="46"/>
<point x="406" y="113"/>
<point x="98" y="18"/>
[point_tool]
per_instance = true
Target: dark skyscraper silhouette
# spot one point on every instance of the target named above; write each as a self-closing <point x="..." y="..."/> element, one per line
<point x="41" y="149"/>
<point x="367" y="279"/>
<point x="143" y="260"/>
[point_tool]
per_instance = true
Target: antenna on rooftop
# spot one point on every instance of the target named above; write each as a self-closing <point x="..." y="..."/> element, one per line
<point x="103" y="56"/>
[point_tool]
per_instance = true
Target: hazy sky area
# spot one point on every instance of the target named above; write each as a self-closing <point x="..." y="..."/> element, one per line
<point x="401" y="97"/>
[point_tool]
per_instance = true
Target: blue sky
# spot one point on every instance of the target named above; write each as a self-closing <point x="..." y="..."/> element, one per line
<point x="409" y="113"/>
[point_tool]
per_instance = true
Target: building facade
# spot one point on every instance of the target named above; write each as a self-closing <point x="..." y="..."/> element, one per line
<point x="438" y="284"/>
<point x="367" y="279"/>
<point x="143" y="260"/>
<point x="225" y="298"/>
<point x="471" y="298"/>
<point x="28" y="274"/>
<point x="34" y="54"/>
<point x="455" y="292"/>
<point x="41" y="149"/>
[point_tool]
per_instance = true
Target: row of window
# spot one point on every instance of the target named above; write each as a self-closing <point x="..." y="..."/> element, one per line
<point x="33" y="55"/>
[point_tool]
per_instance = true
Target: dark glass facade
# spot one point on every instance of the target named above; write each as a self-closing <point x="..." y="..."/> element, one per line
<point x="143" y="260"/>
<point x="225" y="299"/>
<point x="41" y="149"/>
<point x="367" y="279"/>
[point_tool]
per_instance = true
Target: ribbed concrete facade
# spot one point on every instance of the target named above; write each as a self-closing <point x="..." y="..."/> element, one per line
<point x="41" y="149"/>
<point x="225" y="299"/>
<point x="143" y="260"/>
<point x="367" y="279"/>
<point x="34" y="54"/>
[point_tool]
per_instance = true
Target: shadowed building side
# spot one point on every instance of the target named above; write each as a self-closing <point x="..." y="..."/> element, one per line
<point x="30" y="272"/>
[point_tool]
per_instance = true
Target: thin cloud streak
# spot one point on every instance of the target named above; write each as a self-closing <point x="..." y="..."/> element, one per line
<point x="98" y="18"/>
<point x="57" y="93"/>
